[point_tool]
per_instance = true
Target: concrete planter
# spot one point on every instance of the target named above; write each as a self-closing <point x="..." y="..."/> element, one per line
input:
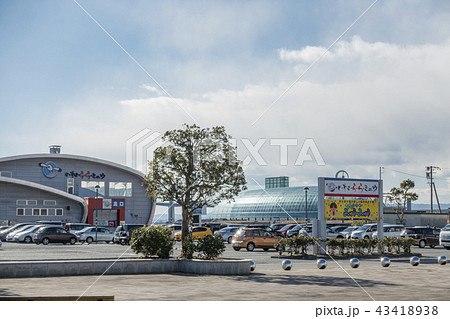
<point x="54" y="268"/>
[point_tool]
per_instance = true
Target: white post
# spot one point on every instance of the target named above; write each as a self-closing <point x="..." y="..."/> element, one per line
<point x="380" y="203"/>
<point x="321" y="223"/>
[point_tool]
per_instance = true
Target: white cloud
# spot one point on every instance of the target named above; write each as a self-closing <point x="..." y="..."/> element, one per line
<point x="150" y="88"/>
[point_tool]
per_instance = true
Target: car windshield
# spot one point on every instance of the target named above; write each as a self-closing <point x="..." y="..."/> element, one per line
<point x="363" y="227"/>
<point x="286" y="227"/>
<point x="296" y="227"/>
<point x="446" y="228"/>
<point x="240" y="232"/>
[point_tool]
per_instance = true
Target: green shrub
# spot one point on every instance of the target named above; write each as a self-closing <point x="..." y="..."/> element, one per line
<point x="152" y="241"/>
<point x="210" y="247"/>
<point x="188" y="248"/>
<point x="281" y="245"/>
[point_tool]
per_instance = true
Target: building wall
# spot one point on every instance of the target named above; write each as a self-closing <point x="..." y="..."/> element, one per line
<point x="14" y="197"/>
<point x="417" y="219"/>
<point x="84" y="172"/>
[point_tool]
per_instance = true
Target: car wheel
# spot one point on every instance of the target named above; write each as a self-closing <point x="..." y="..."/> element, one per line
<point x="447" y="247"/>
<point x="72" y="241"/>
<point x="28" y="239"/>
<point x="339" y="237"/>
<point x="422" y="243"/>
<point x="266" y="249"/>
<point x="432" y="246"/>
<point x="89" y="240"/>
<point x="107" y="241"/>
<point x="250" y="246"/>
<point x="45" y="241"/>
<point x="366" y="237"/>
<point x="239" y="248"/>
<point x="230" y="239"/>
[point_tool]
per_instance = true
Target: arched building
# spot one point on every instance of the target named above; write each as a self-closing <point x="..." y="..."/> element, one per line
<point x="64" y="187"/>
<point x="283" y="203"/>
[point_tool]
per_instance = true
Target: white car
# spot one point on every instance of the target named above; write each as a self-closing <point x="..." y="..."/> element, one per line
<point x="88" y="234"/>
<point x="444" y="237"/>
<point x="364" y="231"/>
<point x="390" y="231"/>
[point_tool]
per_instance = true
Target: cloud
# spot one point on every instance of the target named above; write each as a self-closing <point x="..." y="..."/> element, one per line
<point x="150" y="88"/>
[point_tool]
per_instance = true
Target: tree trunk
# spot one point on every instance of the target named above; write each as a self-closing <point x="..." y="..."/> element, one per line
<point x="185" y="233"/>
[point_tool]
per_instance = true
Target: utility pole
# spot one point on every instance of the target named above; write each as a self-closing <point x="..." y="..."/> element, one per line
<point x="429" y="174"/>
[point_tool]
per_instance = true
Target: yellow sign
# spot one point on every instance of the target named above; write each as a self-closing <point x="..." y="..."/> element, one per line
<point x="351" y="208"/>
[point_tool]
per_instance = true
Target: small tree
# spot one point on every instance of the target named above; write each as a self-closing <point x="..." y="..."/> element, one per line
<point x="198" y="167"/>
<point x="211" y="246"/>
<point x="399" y="196"/>
<point x="152" y="241"/>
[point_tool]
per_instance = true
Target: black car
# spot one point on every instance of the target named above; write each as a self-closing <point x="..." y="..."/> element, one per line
<point x="122" y="234"/>
<point x="424" y="235"/>
<point x="53" y="234"/>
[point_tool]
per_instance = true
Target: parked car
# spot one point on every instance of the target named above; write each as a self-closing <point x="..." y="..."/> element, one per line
<point x="277" y="226"/>
<point x="198" y="232"/>
<point x="444" y="237"/>
<point x="26" y="236"/>
<point x="227" y="233"/>
<point x="51" y="223"/>
<point x="251" y="238"/>
<point x="294" y="231"/>
<point x="347" y="233"/>
<point x="424" y="235"/>
<point x="51" y="234"/>
<point x="5" y="232"/>
<point x="91" y="234"/>
<point x="122" y="234"/>
<point x="0" y="243"/>
<point x="282" y="232"/>
<point x="334" y="233"/>
<point x="390" y="231"/>
<point x="10" y="236"/>
<point x="174" y="228"/>
<point x="74" y="227"/>
<point x="4" y="227"/>
<point x="364" y="231"/>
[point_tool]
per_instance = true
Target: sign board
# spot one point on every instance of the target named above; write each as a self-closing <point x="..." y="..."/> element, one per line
<point x="344" y="187"/>
<point x="107" y="203"/>
<point x="351" y="208"/>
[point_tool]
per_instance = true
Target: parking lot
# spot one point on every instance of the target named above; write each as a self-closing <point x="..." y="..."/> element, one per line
<point x="370" y="281"/>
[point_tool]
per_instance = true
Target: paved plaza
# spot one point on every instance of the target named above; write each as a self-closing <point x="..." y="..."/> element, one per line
<point x="269" y="281"/>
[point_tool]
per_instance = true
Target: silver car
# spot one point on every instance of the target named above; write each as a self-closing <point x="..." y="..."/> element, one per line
<point x="10" y="236"/>
<point x="26" y="236"/>
<point x="227" y="233"/>
<point x="88" y="235"/>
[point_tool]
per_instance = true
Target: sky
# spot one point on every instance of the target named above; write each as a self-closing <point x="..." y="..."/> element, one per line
<point x="306" y="88"/>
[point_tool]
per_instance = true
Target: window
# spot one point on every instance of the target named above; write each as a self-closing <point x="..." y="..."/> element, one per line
<point x="6" y="174"/>
<point x="21" y="202"/>
<point x="20" y="212"/>
<point x="36" y="212"/>
<point x="91" y="186"/>
<point x="59" y="212"/>
<point x="123" y="189"/>
<point x="44" y="212"/>
<point x="49" y="202"/>
<point x="32" y="202"/>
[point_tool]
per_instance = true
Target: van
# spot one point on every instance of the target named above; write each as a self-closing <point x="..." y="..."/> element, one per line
<point x="444" y="237"/>
<point x="74" y="227"/>
<point x="391" y="231"/>
<point x="364" y="231"/>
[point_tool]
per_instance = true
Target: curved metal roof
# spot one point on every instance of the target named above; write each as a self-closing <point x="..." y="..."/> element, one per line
<point x="284" y="202"/>
<point x="75" y="157"/>
<point x="49" y="190"/>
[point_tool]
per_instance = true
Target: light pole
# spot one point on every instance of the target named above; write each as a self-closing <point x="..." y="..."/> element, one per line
<point x="97" y="187"/>
<point x="306" y="189"/>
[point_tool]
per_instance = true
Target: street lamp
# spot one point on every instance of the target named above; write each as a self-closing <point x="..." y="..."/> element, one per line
<point x="97" y="187"/>
<point x="306" y="189"/>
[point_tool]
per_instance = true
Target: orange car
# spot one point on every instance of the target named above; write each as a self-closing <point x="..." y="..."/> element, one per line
<point x="251" y="238"/>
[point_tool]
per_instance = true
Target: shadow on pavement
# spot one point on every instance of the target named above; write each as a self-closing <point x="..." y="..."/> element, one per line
<point x="5" y="292"/>
<point x="310" y="280"/>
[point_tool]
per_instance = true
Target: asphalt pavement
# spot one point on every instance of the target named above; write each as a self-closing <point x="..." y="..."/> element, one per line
<point x="269" y="281"/>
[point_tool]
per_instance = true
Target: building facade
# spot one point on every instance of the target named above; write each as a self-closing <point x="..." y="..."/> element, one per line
<point x="71" y="188"/>
<point x="283" y="203"/>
